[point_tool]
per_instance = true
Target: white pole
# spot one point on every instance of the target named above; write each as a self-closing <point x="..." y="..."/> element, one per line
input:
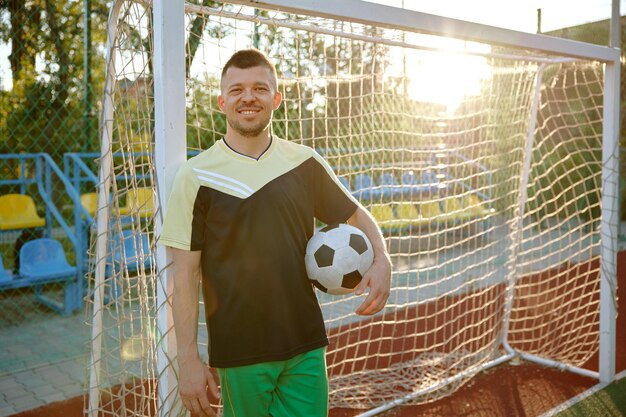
<point x="170" y="151"/>
<point x="610" y="211"/>
<point x="519" y="228"/>
<point x="381" y="15"/>
<point x="102" y="216"/>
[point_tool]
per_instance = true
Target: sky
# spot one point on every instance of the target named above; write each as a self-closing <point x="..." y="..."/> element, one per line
<point x="518" y="15"/>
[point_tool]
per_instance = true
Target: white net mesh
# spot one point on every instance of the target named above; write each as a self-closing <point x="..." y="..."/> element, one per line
<point x="493" y="232"/>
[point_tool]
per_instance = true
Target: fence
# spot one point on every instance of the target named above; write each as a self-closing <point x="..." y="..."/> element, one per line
<point x="50" y="92"/>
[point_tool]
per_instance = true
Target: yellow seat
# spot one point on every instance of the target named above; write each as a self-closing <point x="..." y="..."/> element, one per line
<point x="407" y="213"/>
<point x="18" y="211"/>
<point x="139" y="201"/>
<point x="453" y="210"/>
<point x="429" y="212"/>
<point x="383" y="214"/>
<point x="89" y="201"/>
<point x="474" y="206"/>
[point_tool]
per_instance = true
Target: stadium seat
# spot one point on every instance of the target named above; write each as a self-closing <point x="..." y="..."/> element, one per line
<point x="474" y="206"/>
<point x="129" y="248"/>
<point x="140" y="201"/>
<point x="410" y="185"/>
<point x="452" y="209"/>
<point x="344" y="181"/>
<point x="383" y="214"/>
<point x="430" y="212"/>
<point x="18" y="211"/>
<point x="4" y="275"/>
<point x="364" y="188"/>
<point x="389" y="186"/>
<point x="407" y="212"/>
<point x="429" y="178"/>
<point x="127" y="251"/>
<point x="90" y="202"/>
<point x="44" y="260"/>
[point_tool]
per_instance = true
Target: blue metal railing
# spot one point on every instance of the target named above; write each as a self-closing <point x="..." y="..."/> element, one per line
<point x="46" y="174"/>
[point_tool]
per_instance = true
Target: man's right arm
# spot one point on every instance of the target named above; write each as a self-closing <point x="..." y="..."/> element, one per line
<point x="194" y="376"/>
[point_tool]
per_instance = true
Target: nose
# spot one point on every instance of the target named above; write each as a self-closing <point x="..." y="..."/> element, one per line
<point x="248" y="95"/>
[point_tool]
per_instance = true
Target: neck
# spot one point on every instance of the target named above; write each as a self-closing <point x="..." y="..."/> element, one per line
<point x="252" y="146"/>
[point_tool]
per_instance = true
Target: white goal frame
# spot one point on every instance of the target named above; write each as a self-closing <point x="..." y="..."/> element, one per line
<point x="170" y="152"/>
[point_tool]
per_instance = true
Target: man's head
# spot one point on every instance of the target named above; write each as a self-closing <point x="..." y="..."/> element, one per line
<point x="249" y="92"/>
<point x="248" y="58"/>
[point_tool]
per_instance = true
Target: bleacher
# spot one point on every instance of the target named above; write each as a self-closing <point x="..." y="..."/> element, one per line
<point x="401" y="200"/>
<point x="409" y="201"/>
<point x="29" y="214"/>
<point x="422" y="194"/>
<point x="45" y="218"/>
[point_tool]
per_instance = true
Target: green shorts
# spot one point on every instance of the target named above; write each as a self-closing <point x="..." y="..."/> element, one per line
<point x="291" y="388"/>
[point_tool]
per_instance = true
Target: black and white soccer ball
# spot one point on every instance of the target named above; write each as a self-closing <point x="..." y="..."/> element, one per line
<point x="337" y="257"/>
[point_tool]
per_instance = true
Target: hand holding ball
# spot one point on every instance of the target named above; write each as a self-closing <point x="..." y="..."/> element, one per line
<point x="337" y="257"/>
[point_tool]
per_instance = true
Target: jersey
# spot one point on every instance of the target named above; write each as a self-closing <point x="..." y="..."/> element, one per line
<point x="252" y="219"/>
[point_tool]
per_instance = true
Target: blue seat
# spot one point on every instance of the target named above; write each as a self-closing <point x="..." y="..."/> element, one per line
<point x="128" y="251"/>
<point x="364" y="188"/>
<point x="413" y="185"/>
<point x="129" y="248"/>
<point x="344" y="181"/>
<point x="410" y="185"/>
<point x="389" y="186"/>
<point x="44" y="259"/>
<point x="431" y="182"/>
<point x="4" y="275"/>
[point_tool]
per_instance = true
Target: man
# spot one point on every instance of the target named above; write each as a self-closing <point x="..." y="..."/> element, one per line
<point x="239" y="219"/>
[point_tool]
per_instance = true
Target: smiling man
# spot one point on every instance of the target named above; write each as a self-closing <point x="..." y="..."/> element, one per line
<point x="238" y="220"/>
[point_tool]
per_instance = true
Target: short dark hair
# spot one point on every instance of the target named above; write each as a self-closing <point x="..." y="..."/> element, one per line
<point x="249" y="58"/>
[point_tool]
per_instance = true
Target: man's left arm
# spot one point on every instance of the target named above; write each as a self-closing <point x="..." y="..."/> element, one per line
<point x="378" y="277"/>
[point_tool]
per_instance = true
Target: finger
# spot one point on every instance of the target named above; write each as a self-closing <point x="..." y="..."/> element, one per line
<point x="374" y="303"/>
<point x="362" y="286"/>
<point x="187" y="405"/>
<point x="369" y="300"/>
<point x="205" y="405"/>
<point x="212" y="386"/>
<point x="372" y="308"/>
<point x="195" y="407"/>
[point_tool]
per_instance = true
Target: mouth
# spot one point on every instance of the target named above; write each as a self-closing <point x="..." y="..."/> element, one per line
<point x="248" y="111"/>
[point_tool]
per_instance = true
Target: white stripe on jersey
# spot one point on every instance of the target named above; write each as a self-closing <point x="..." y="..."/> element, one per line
<point x="223" y="184"/>
<point x="234" y="185"/>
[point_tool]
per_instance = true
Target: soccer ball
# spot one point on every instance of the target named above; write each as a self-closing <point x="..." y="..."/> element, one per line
<point x="336" y="258"/>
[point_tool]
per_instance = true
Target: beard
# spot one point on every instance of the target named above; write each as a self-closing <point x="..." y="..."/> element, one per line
<point x="250" y="130"/>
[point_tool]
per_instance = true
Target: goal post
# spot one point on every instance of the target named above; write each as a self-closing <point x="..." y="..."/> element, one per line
<point x="490" y="161"/>
<point x="610" y="201"/>
<point x="170" y="144"/>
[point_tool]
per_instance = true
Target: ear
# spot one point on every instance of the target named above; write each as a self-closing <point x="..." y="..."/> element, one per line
<point x="278" y="98"/>
<point x="220" y="102"/>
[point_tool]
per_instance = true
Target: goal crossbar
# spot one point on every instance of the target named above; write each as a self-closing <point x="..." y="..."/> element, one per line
<point x="412" y="21"/>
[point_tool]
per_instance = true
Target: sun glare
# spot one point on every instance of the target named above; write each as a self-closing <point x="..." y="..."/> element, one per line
<point x="446" y="78"/>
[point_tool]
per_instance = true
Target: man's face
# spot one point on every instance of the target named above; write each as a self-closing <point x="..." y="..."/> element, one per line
<point x="248" y="99"/>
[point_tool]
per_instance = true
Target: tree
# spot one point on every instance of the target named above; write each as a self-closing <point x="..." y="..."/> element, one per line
<point x="46" y="40"/>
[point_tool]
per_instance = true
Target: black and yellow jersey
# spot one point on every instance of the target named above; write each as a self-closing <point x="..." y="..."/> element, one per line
<point x="252" y="218"/>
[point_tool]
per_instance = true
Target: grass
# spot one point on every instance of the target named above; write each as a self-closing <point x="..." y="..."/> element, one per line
<point x="608" y="402"/>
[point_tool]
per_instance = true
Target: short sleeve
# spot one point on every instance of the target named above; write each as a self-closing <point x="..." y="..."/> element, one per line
<point x="177" y="227"/>
<point x="333" y="202"/>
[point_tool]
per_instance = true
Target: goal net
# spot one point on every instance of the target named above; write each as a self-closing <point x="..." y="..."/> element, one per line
<point x="482" y="165"/>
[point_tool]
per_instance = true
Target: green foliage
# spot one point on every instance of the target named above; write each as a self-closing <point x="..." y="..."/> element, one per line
<point x="44" y="109"/>
<point x="205" y="122"/>
<point x="566" y="176"/>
